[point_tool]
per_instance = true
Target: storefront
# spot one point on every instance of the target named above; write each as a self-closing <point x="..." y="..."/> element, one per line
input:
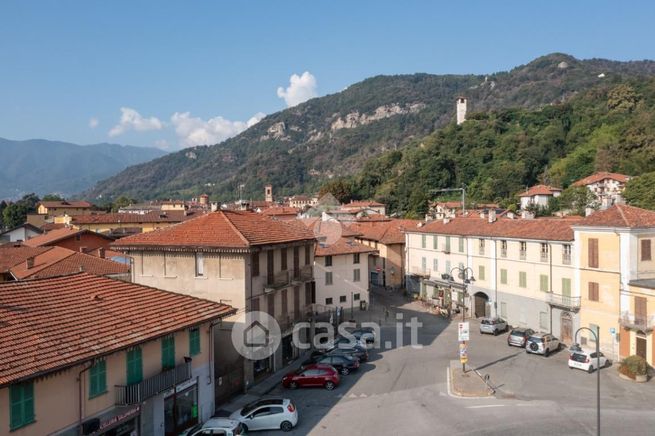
<point x="121" y="421"/>
<point x="181" y="408"/>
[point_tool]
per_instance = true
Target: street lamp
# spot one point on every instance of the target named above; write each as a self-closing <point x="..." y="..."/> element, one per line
<point x="576" y="347"/>
<point x="466" y="279"/>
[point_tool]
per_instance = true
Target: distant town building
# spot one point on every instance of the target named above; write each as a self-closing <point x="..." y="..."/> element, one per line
<point x="147" y="222"/>
<point x="268" y="193"/>
<point x="19" y="233"/>
<point x="365" y="206"/>
<point x="63" y="207"/>
<point x="538" y="196"/>
<point x="461" y="110"/>
<point x="607" y="187"/>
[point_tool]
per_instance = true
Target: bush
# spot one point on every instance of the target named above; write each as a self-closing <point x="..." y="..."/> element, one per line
<point x="633" y="366"/>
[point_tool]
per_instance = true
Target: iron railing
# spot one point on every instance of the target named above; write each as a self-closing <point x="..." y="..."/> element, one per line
<point x="419" y="271"/>
<point x="637" y="322"/>
<point x="564" y="301"/>
<point x="278" y="280"/>
<point x="138" y="392"/>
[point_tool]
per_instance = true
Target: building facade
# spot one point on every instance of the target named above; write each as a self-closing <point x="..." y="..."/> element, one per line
<point x="538" y="196"/>
<point x="607" y="187"/>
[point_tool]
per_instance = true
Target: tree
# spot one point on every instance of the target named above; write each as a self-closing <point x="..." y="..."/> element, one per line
<point x="15" y="214"/>
<point x="52" y="197"/>
<point x="640" y="191"/>
<point x="121" y="201"/>
<point x="340" y="188"/>
<point x="577" y="199"/>
<point x="622" y="98"/>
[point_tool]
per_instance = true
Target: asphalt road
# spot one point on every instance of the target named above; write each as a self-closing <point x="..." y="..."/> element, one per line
<point x="403" y="390"/>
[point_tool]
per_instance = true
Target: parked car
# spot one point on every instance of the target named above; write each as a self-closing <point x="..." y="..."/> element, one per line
<point x="542" y="343"/>
<point x="493" y="326"/>
<point x="588" y="360"/>
<point x="216" y="426"/>
<point x="343" y="363"/>
<point x="267" y="414"/>
<point x="365" y="334"/>
<point x="311" y="376"/>
<point x="355" y="351"/>
<point x="518" y="337"/>
<point x="344" y="342"/>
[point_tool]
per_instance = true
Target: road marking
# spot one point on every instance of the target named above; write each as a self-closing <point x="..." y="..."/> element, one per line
<point x="352" y="396"/>
<point x="362" y="396"/>
<point x="485" y="406"/>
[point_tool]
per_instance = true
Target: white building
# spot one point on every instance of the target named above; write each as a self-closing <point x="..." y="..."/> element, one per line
<point x="607" y="187"/>
<point x="538" y="195"/>
<point x="20" y="233"/>
<point x="461" y="110"/>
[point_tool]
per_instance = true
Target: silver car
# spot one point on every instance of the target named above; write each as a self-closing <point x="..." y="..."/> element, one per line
<point x="542" y="343"/>
<point x="493" y="326"/>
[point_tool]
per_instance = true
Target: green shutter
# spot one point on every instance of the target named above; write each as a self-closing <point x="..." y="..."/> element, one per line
<point x="21" y="397"/>
<point x="98" y="379"/>
<point x="480" y="272"/>
<point x="543" y="283"/>
<point x="134" y="366"/>
<point x="461" y="245"/>
<point x="448" y="243"/>
<point x="523" y="279"/>
<point x="434" y="242"/>
<point x="168" y="352"/>
<point x="194" y="341"/>
<point x="503" y="276"/>
<point x="566" y="287"/>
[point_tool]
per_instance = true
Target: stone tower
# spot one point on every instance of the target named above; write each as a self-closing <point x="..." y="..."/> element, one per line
<point x="461" y="110"/>
<point x="268" y="193"/>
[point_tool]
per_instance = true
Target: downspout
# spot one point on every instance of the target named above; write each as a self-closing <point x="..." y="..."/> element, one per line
<point x="550" y="287"/>
<point x="496" y="277"/>
<point x="80" y="397"/>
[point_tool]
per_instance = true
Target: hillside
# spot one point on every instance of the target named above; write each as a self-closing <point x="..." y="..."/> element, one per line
<point x="43" y="167"/>
<point x="300" y="148"/>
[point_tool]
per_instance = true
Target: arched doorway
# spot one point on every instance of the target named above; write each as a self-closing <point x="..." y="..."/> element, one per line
<point x="480" y="304"/>
<point x="566" y="327"/>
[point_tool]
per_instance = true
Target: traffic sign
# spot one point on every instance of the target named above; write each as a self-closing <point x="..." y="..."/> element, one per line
<point x="463" y="352"/>
<point x="463" y="331"/>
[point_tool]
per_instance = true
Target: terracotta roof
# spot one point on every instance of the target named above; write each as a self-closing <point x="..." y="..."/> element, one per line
<point x="546" y="229"/>
<point x="620" y="215"/>
<point x="281" y="210"/>
<point x="29" y="226"/>
<point x="12" y="254"/>
<point x="220" y="229"/>
<point x="331" y="230"/>
<point x="597" y="177"/>
<point x="362" y="203"/>
<point x="384" y="232"/>
<point x="342" y="246"/>
<point x="448" y="204"/>
<point x="66" y="204"/>
<point x="52" y="324"/>
<point x="51" y="226"/>
<point x="57" y="235"/>
<point x="168" y="216"/>
<point x="59" y="261"/>
<point x="539" y="190"/>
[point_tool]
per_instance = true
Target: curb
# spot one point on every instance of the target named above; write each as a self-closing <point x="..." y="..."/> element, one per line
<point x="459" y="396"/>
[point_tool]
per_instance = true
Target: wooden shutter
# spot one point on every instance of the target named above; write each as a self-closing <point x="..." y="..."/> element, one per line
<point x="271" y="304"/>
<point x="645" y="249"/>
<point x="593" y="253"/>
<point x="283" y="261"/>
<point x="308" y="294"/>
<point x="308" y="252"/>
<point x="593" y="291"/>
<point x="270" y="266"/>
<point x="255" y="264"/>
<point x="640" y="308"/>
<point x="284" y="302"/>
<point x="296" y="262"/>
<point x="296" y="302"/>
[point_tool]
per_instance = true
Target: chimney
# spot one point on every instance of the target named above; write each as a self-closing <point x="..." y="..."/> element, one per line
<point x="492" y="215"/>
<point x="29" y="263"/>
<point x="510" y="215"/>
<point x="101" y="252"/>
<point x="588" y="211"/>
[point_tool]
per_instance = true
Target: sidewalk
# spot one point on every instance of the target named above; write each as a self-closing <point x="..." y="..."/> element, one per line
<point x="468" y="384"/>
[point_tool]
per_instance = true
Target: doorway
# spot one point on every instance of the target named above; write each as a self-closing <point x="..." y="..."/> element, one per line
<point x="566" y="327"/>
<point x="641" y="345"/>
<point x="480" y="306"/>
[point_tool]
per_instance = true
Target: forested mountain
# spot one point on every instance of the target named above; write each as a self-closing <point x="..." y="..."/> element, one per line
<point x="43" y="167"/>
<point x="300" y="148"/>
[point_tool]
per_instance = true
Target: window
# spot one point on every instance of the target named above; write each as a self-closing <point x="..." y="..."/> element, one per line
<point x="356" y="258"/>
<point x="523" y="249"/>
<point x="544" y="252"/>
<point x="641" y="310"/>
<point x="200" y="264"/>
<point x="168" y="352"/>
<point x="435" y="265"/>
<point x="283" y="260"/>
<point x="98" y="379"/>
<point x="255" y="264"/>
<point x="134" y="366"/>
<point x="448" y="268"/>
<point x="503" y="276"/>
<point x="270" y="267"/>
<point x="423" y="241"/>
<point x="296" y="302"/>
<point x="523" y="279"/>
<point x="593" y="291"/>
<point x="566" y="287"/>
<point x="296" y="262"/>
<point x="328" y="301"/>
<point x="270" y="303"/>
<point x="356" y="275"/>
<point x="645" y="250"/>
<point x="254" y="304"/>
<point x="503" y="248"/>
<point x="447" y="250"/>
<point x="593" y="253"/>
<point x="194" y="341"/>
<point x="481" y="247"/>
<point x="595" y="329"/>
<point x="543" y="320"/>
<point x="424" y="264"/>
<point x="481" y="272"/>
<point x="460" y="243"/>
<point x="21" y="397"/>
<point x="328" y="277"/>
<point x="566" y="254"/>
<point x="543" y="283"/>
<point x="308" y="256"/>
<point x="285" y="303"/>
<point x="328" y="260"/>
<point x="342" y="299"/>
<point x="503" y="310"/>
<point x="434" y="242"/>
<point x="356" y="297"/>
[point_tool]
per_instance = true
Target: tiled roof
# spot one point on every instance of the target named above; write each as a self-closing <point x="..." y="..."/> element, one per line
<point x="220" y="229"/>
<point x="448" y="204"/>
<point x="51" y="324"/>
<point x="57" y="235"/>
<point x="27" y="226"/>
<point x="362" y="203"/>
<point x="545" y="229"/>
<point x="66" y="204"/>
<point x="52" y="226"/>
<point x="384" y="232"/>
<point x="597" y="177"/>
<point x="620" y="215"/>
<point x="539" y="190"/>
<point x="281" y="210"/>
<point x="168" y="216"/>
<point x="342" y="246"/>
<point x="12" y="254"/>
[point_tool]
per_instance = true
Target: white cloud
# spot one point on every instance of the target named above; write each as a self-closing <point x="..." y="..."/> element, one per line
<point x="196" y="131"/>
<point x="93" y="122"/>
<point x="132" y="120"/>
<point x="300" y="89"/>
<point x="163" y="144"/>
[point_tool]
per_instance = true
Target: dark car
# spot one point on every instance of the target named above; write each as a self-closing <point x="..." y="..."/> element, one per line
<point x="316" y="375"/>
<point x="519" y="336"/>
<point x="357" y="351"/>
<point x="343" y="363"/>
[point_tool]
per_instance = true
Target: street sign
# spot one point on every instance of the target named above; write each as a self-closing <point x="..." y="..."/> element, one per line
<point x="463" y="331"/>
<point x="463" y="352"/>
<point x="612" y="331"/>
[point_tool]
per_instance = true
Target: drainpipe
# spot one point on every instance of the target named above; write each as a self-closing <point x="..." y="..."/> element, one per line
<point x="81" y="397"/>
<point x="550" y="275"/>
<point x="496" y="277"/>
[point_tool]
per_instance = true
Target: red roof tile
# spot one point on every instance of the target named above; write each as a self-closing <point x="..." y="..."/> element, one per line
<point x="57" y="235"/>
<point x="384" y="232"/>
<point x="220" y="229"/>
<point x="539" y="190"/>
<point x="342" y="246"/>
<point x="168" y="216"/>
<point x="362" y="203"/>
<point x="13" y="254"/>
<point x="597" y="177"/>
<point x="60" y="261"/>
<point x="281" y="210"/>
<point x="66" y="204"/>
<point x="56" y="323"/>
<point x="620" y="215"/>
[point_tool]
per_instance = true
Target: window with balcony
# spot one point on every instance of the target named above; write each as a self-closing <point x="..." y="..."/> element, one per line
<point x="544" y="252"/>
<point x="523" y="248"/>
<point x="645" y="250"/>
<point x="328" y="278"/>
<point x="593" y="291"/>
<point x="481" y="247"/>
<point x="194" y="341"/>
<point x="98" y="379"/>
<point x="21" y="408"/>
<point x="503" y="248"/>
<point x="566" y="254"/>
<point x="168" y="352"/>
<point x="328" y="260"/>
<point x="134" y="366"/>
<point x="592" y="253"/>
<point x="523" y="279"/>
<point x="356" y="258"/>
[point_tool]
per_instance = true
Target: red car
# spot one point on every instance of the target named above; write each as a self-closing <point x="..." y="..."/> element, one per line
<point x="312" y="375"/>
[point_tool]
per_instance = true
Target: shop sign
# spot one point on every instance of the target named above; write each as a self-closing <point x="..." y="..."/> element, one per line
<point x="118" y="418"/>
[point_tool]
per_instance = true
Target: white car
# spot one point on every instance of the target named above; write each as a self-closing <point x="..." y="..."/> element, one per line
<point x="267" y="414"/>
<point x="216" y="426"/>
<point x="588" y="360"/>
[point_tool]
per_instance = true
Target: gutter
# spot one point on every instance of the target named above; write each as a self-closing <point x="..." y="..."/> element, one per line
<point x="81" y="397"/>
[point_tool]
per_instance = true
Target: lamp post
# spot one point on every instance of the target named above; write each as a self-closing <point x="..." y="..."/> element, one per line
<point x="577" y="346"/>
<point x="466" y="280"/>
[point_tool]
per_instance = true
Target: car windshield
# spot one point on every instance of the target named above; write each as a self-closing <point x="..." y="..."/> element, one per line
<point x="518" y="333"/>
<point x="578" y="357"/>
<point x="487" y="321"/>
<point x="536" y="339"/>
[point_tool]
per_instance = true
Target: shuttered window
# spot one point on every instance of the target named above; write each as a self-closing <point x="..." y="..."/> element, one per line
<point x="503" y="276"/>
<point x="328" y="277"/>
<point x="21" y="398"/>
<point x="480" y="272"/>
<point x="271" y="304"/>
<point x="194" y="341"/>
<point x="270" y="266"/>
<point x="593" y="291"/>
<point x="423" y="238"/>
<point x="255" y="264"/>
<point x="434" y="242"/>
<point x="296" y="262"/>
<point x="296" y="302"/>
<point x="283" y="259"/>
<point x="284" y="302"/>
<point x="593" y="252"/>
<point x="356" y="275"/>
<point x="168" y="352"/>
<point x="134" y="366"/>
<point x="460" y="245"/>
<point x="523" y="279"/>
<point x="566" y="287"/>
<point x="640" y="309"/>
<point x="307" y="253"/>
<point x="98" y="379"/>
<point x="543" y="283"/>
<point x="645" y="250"/>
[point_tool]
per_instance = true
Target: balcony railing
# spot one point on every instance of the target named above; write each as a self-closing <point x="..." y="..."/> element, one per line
<point x="139" y="392"/>
<point x="637" y="322"/>
<point x="418" y="271"/>
<point x="522" y="255"/>
<point x="566" y="259"/>
<point x="303" y="274"/>
<point x="503" y="252"/>
<point x="563" y="301"/>
<point x="278" y="280"/>
<point x="544" y="257"/>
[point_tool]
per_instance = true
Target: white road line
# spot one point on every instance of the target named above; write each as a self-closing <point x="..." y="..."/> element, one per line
<point x="485" y="406"/>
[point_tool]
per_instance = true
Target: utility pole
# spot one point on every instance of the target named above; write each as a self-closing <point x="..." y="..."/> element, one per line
<point x="462" y="190"/>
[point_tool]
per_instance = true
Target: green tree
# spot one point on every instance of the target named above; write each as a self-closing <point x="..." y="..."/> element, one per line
<point x="640" y="191"/>
<point x="121" y="201"/>
<point x="341" y="189"/>
<point x="577" y="199"/>
<point x="52" y="197"/>
<point x="15" y="214"/>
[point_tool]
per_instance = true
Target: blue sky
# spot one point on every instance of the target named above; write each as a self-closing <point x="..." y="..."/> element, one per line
<point x="175" y="67"/>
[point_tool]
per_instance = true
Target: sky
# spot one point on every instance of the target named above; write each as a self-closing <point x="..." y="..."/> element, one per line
<point x="173" y="74"/>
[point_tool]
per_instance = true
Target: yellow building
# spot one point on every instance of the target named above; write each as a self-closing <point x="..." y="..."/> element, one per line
<point x="147" y="222"/>
<point x="63" y="207"/>
<point x="104" y="357"/>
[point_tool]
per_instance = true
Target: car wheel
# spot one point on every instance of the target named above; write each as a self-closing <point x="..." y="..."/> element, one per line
<point x="608" y="364"/>
<point x="329" y="385"/>
<point x="345" y="371"/>
<point x="547" y="352"/>
<point x="293" y="385"/>
<point x="591" y="369"/>
<point x="495" y="332"/>
<point x="244" y="427"/>
<point x="286" y="426"/>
